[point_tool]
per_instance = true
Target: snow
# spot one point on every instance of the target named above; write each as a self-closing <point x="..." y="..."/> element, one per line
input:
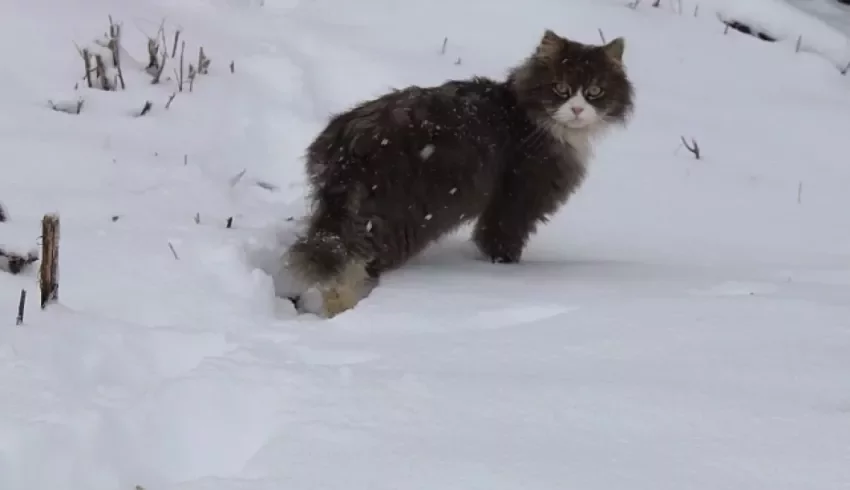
<point x="681" y="324"/>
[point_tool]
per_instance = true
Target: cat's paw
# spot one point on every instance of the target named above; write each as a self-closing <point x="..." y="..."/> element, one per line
<point x="504" y="259"/>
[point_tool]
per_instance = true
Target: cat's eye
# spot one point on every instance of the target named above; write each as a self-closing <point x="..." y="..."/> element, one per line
<point x="593" y="91"/>
<point x="561" y="89"/>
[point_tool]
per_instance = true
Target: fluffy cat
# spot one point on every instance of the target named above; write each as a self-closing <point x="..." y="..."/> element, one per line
<point x="393" y="175"/>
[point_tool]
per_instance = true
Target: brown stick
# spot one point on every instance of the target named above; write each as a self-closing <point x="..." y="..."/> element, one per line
<point x="49" y="272"/>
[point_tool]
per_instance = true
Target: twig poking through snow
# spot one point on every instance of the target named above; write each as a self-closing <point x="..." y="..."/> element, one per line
<point x="3" y="216"/>
<point x="192" y="74"/>
<point x="229" y="222"/>
<point x="800" y="193"/>
<point x="173" y="251"/>
<point x="236" y="178"/>
<point x="174" y="48"/>
<point x="114" y="46"/>
<point x="799" y="43"/>
<point x="197" y="218"/>
<point x="601" y="35"/>
<point x="445" y="42"/>
<point x="232" y="67"/>
<point x="147" y="108"/>
<point x="266" y="185"/>
<point x="846" y="69"/>
<point x="170" y="99"/>
<point x="693" y="147"/>
<point x="22" y="303"/>
<point x="203" y="62"/>
<point x="180" y="78"/>
<point x="86" y="55"/>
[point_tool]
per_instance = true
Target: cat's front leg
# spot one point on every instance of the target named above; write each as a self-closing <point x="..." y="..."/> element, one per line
<point x="502" y="231"/>
<point x="523" y="200"/>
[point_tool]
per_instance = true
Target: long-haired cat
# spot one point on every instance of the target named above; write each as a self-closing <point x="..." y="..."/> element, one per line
<point x="393" y="175"/>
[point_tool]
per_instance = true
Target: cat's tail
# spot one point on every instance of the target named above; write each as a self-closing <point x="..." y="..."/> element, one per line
<point x="331" y="257"/>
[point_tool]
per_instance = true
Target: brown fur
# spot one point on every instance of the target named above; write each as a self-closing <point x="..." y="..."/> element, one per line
<point x="395" y="174"/>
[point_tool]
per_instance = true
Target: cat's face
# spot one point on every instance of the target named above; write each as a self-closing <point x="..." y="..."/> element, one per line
<point x="575" y="85"/>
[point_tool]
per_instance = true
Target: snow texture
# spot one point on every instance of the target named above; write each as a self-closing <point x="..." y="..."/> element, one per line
<point x="682" y="324"/>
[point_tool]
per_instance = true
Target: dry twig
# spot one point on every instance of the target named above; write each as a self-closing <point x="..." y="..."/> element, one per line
<point x="693" y="147"/>
<point x="22" y="303"/>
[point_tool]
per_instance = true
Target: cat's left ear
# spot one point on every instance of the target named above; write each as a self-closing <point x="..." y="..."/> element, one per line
<point x="615" y="49"/>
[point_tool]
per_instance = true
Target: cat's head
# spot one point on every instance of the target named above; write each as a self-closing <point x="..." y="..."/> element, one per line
<point x="575" y="85"/>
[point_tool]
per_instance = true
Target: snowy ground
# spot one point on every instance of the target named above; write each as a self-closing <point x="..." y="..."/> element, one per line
<point x="683" y="324"/>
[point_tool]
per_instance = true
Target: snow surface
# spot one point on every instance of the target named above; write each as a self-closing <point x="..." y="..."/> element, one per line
<point x="682" y="324"/>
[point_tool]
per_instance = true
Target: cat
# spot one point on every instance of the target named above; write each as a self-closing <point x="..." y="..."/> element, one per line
<point x="393" y="175"/>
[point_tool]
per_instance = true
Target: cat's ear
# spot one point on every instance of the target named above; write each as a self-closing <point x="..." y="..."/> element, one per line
<point x="615" y="49"/>
<point x="550" y="45"/>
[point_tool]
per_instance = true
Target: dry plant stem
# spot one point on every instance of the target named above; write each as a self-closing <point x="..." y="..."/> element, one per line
<point x="192" y="74"/>
<point x="147" y="108"/>
<point x="22" y="303"/>
<point x="153" y="55"/>
<point x="3" y="216"/>
<point x="100" y="73"/>
<point x="49" y="273"/>
<point x="163" y="59"/>
<point x="693" y="147"/>
<point x="203" y="62"/>
<point x="182" y="53"/>
<point x="115" y="47"/>
<point x="170" y="100"/>
<point x="601" y="35"/>
<point x="87" y="62"/>
<point x="174" y="47"/>
<point x="173" y="251"/>
<point x="232" y="67"/>
<point x="230" y="222"/>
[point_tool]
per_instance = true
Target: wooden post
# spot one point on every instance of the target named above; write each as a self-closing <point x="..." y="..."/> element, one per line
<point x="49" y="273"/>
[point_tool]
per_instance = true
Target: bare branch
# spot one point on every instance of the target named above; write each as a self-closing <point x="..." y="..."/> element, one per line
<point x="22" y="303"/>
<point x="173" y="251"/>
<point x="174" y="47"/>
<point x="146" y="108"/>
<point x="114" y="46"/>
<point x="693" y="147"/>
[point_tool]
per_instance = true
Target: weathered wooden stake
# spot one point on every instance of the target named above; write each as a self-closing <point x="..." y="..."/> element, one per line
<point x="49" y="272"/>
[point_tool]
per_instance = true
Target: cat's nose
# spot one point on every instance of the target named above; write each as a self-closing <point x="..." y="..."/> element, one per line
<point x="577" y="110"/>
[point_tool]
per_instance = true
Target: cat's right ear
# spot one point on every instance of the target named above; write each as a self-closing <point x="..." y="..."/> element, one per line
<point x="550" y="45"/>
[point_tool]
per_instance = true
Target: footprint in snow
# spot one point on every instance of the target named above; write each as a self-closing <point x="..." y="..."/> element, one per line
<point x="738" y="288"/>
<point x="516" y="316"/>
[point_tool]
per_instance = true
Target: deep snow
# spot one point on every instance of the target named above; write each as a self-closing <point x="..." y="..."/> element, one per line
<point x="682" y="324"/>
